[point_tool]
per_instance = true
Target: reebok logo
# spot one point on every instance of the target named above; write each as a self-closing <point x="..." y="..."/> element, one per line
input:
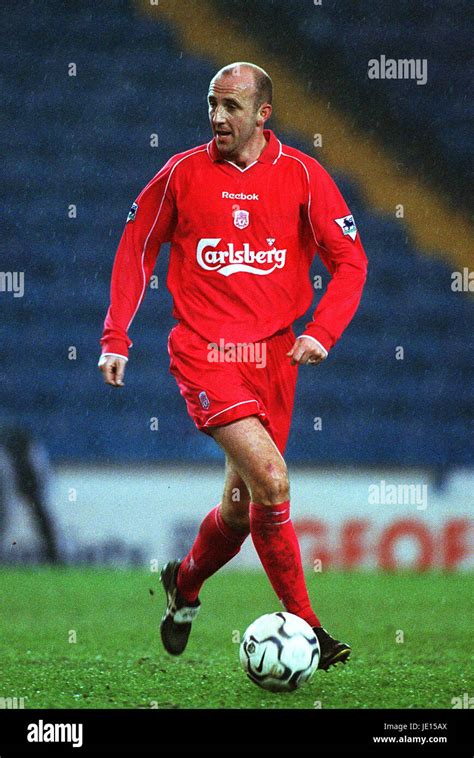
<point x="238" y="196"/>
<point x="229" y="261"/>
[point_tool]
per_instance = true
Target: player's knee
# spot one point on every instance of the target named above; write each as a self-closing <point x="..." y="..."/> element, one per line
<point x="273" y="487"/>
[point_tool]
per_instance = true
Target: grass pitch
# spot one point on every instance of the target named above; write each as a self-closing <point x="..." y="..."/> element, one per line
<point x="89" y="638"/>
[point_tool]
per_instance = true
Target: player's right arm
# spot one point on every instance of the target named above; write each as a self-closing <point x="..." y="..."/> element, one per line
<point x="151" y="222"/>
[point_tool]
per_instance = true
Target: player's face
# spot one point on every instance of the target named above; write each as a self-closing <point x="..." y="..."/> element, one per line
<point x="232" y="112"/>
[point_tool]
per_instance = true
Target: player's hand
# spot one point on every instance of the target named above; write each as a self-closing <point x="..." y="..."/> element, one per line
<point x="113" y="370"/>
<point x="306" y="352"/>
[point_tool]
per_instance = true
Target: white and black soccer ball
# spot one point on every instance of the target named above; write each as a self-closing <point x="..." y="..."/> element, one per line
<point x="279" y="652"/>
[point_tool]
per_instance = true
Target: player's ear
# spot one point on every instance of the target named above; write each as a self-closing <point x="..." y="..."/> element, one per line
<point x="264" y="113"/>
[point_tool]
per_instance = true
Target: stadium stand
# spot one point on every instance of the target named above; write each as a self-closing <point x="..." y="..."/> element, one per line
<point x="427" y="126"/>
<point x="78" y="154"/>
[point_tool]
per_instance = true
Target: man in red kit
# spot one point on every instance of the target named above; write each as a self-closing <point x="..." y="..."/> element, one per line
<point x="245" y="216"/>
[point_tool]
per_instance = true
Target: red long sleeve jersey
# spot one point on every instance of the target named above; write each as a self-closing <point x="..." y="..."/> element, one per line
<point x="242" y="243"/>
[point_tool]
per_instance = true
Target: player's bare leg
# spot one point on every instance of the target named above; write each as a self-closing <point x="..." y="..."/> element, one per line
<point x="253" y="455"/>
<point x="235" y="500"/>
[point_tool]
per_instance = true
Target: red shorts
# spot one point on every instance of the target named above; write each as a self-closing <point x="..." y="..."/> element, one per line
<point x="221" y="385"/>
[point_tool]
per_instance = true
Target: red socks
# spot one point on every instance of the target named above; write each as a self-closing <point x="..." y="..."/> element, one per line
<point x="276" y="543"/>
<point x="214" y="546"/>
<point x="277" y="546"/>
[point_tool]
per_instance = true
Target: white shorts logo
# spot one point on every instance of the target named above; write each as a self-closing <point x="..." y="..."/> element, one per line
<point x="230" y="261"/>
<point x="241" y="219"/>
<point x="204" y="400"/>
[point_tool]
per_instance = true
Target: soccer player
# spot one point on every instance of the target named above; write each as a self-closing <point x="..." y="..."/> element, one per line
<point x="245" y="216"/>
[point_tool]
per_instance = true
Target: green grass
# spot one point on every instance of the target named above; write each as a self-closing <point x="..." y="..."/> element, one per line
<point x="118" y="662"/>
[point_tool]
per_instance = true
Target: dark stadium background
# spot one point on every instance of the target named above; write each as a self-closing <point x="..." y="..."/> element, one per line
<point x="96" y="98"/>
<point x="84" y="140"/>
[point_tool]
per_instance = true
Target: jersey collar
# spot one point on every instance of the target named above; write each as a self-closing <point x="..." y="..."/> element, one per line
<point x="269" y="154"/>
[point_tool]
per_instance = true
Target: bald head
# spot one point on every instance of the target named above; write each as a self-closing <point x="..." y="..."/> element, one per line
<point x="250" y="77"/>
<point x="239" y="101"/>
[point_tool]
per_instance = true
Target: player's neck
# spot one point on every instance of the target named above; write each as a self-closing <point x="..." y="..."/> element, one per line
<point x="251" y="152"/>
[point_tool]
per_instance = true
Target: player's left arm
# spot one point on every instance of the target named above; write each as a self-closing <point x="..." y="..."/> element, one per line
<point x="340" y="248"/>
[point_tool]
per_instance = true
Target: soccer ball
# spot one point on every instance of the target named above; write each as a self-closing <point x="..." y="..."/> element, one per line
<point x="279" y="652"/>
